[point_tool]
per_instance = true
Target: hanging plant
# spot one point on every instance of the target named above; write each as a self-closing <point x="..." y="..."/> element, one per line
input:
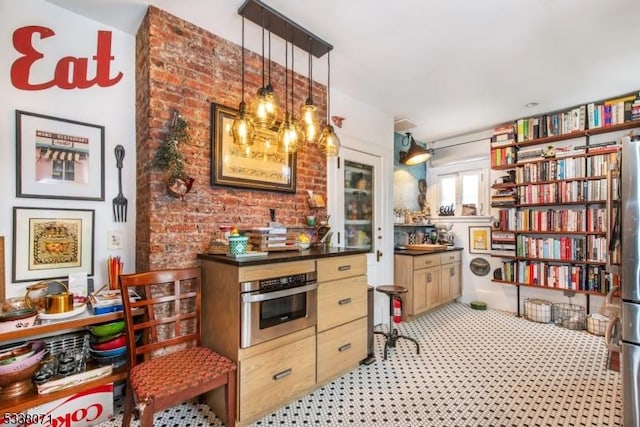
<point x="170" y="158"/>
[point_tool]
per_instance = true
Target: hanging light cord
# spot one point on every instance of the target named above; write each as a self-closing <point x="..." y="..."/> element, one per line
<point x="269" y="55"/>
<point x="286" y="72"/>
<point x="263" y="48"/>
<point x="310" y="69"/>
<point x="292" y="76"/>
<point x="243" y="59"/>
<point x="328" y="83"/>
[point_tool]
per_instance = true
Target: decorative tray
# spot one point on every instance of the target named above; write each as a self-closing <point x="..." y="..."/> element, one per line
<point x="426" y="247"/>
<point x="78" y="308"/>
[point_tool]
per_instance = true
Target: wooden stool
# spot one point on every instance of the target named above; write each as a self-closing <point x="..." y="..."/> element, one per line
<point x="392" y="336"/>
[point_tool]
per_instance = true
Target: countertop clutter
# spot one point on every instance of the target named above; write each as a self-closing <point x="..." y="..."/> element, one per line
<point x="417" y="252"/>
<point x="277" y="257"/>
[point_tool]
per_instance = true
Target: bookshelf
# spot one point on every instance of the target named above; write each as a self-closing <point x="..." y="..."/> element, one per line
<point x="555" y="196"/>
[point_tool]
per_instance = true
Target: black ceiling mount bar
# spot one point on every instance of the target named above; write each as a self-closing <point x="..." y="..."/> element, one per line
<point x="255" y="11"/>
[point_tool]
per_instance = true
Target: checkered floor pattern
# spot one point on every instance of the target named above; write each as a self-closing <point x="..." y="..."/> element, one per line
<point x="475" y="368"/>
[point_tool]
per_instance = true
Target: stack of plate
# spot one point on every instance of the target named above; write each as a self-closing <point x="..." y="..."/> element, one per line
<point x="109" y="344"/>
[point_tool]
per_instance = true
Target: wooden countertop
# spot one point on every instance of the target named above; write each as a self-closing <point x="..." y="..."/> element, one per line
<point x="421" y="252"/>
<point x="282" y="256"/>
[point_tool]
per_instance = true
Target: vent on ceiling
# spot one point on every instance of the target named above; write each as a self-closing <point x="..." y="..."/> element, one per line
<point x="403" y="125"/>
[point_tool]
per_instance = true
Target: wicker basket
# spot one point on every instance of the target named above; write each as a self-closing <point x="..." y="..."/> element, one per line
<point x="538" y="310"/>
<point x="597" y="325"/>
<point x="570" y="316"/>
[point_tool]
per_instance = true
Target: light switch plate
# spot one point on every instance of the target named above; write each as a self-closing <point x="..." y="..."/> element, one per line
<point x="115" y="240"/>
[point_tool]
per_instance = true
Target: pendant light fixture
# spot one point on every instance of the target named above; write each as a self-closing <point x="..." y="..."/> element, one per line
<point x="242" y="128"/>
<point x="415" y="154"/>
<point x="264" y="107"/>
<point x="309" y="125"/>
<point x="329" y="142"/>
<point x="288" y="135"/>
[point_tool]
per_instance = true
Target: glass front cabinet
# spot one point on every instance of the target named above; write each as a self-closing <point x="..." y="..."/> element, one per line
<point x="358" y="205"/>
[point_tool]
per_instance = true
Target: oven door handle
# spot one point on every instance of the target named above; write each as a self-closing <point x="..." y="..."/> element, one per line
<point x="256" y="297"/>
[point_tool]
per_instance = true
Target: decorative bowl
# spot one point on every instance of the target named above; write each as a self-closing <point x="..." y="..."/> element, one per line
<point x="18" y="319"/>
<point x="106" y="329"/>
<point x="304" y="245"/>
<point x="109" y="353"/>
<point x="15" y="371"/>
<point x="116" y="361"/>
<point x="115" y="342"/>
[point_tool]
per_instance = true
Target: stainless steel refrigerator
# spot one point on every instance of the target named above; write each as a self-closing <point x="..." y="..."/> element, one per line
<point x="630" y="270"/>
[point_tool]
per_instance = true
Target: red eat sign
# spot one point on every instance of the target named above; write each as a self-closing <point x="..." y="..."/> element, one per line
<point x="70" y="72"/>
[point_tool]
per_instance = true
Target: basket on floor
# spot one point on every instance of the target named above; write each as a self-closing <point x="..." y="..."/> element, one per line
<point x="597" y="324"/>
<point x="570" y="316"/>
<point x="538" y="310"/>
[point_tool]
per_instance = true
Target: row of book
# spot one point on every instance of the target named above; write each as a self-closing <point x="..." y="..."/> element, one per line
<point x="563" y="192"/>
<point x="502" y="156"/>
<point x="590" y="248"/>
<point x="561" y="220"/>
<point x="566" y="168"/>
<point x="591" y="278"/>
<point x="589" y="116"/>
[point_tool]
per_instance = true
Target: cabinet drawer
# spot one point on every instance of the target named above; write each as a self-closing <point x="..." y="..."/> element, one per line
<point x="341" y="348"/>
<point x="341" y="301"/>
<point x="269" y="380"/>
<point x="341" y="267"/>
<point x="448" y="257"/>
<point x="424" y="261"/>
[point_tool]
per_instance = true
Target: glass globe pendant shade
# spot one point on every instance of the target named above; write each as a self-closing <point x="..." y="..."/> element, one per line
<point x="288" y="135"/>
<point x="264" y="109"/>
<point x="329" y="143"/>
<point x="309" y="125"/>
<point x="242" y="129"/>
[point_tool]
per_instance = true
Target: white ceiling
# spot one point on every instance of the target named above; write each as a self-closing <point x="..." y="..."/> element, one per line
<point x="452" y="67"/>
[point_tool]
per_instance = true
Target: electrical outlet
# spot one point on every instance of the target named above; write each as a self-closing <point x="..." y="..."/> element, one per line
<point x="115" y="240"/>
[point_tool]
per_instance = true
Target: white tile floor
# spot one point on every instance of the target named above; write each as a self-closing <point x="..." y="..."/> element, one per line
<point x="476" y="368"/>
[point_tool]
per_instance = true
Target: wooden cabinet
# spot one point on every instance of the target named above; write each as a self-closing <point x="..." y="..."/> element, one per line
<point x="32" y="399"/>
<point x="277" y="375"/>
<point x="342" y="315"/>
<point x="276" y="371"/>
<point x="451" y="283"/>
<point x="431" y="280"/>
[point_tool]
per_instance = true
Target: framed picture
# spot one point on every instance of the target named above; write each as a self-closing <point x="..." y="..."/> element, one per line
<point x="259" y="166"/>
<point x="58" y="158"/>
<point x="52" y="243"/>
<point x="480" y="240"/>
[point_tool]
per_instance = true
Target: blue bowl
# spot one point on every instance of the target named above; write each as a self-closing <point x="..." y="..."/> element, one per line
<point x="109" y="353"/>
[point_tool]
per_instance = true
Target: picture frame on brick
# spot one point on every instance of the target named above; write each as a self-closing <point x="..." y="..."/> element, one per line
<point x="259" y="166"/>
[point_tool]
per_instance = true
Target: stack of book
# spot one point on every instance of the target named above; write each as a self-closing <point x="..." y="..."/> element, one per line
<point x="506" y="196"/>
<point x="272" y="239"/>
<point x="503" y="150"/>
<point x="107" y="300"/>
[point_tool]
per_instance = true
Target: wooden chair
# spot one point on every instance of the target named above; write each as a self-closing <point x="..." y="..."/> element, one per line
<point x="169" y="366"/>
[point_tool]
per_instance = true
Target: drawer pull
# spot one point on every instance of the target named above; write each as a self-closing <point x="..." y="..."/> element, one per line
<point x="344" y="268"/>
<point x="281" y="375"/>
<point x="344" y="347"/>
<point x="344" y="301"/>
<point x="427" y="262"/>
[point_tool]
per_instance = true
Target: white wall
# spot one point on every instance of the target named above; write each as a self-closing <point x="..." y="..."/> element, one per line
<point x="112" y="107"/>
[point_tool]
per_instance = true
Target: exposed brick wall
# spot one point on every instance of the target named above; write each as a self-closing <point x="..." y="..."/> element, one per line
<point x="180" y="65"/>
